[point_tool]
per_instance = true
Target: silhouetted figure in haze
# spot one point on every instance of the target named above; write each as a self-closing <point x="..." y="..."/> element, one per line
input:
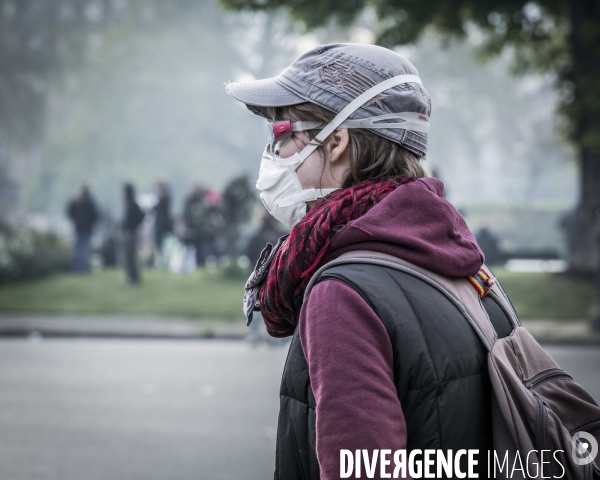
<point x="268" y="232"/>
<point x="108" y="248"/>
<point x="238" y="199"/>
<point x="201" y="217"/>
<point x="571" y="227"/>
<point x="163" y="222"/>
<point x="83" y="213"/>
<point x="131" y="221"/>
<point x="488" y="242"/>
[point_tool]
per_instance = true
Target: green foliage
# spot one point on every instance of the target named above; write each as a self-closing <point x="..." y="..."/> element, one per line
<point x="538" y="29"/>
<point x="26" y="254"/>
<point x="150" y="102"/>
<point x="110" y="90"/>
<point x="39" y="41"/>
<point x="44" y="43"/>
<point x="204" y="294"/>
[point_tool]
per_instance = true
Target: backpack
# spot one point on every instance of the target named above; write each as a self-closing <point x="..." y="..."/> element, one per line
<point x="545" y="425"/>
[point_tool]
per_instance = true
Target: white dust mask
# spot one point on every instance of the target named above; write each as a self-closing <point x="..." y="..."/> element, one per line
<point x="281" y="191"/>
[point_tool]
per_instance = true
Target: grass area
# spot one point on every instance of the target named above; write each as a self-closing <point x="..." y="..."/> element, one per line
<point x="547" y="296"/>
<point x="208" y="294"/>
<point x="203" y="294"/>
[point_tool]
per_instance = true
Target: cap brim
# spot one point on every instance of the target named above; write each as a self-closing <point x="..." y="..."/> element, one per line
<point x="260" y="94"/>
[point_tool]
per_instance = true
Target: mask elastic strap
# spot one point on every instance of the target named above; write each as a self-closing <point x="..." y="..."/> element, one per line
<point x="306" y="196"/>
<point x="405" y="120"/>
<point x="354" y="105"/>
<point x="302" y="126"/>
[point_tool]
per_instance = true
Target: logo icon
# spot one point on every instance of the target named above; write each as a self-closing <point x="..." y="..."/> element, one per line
<point x="585" y="448"/>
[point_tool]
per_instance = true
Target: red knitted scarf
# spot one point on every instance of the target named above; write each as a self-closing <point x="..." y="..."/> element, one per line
<point x="299" y="256"/>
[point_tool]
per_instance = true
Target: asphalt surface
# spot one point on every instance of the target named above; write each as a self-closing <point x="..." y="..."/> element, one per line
<point x="93" y="409"/>
<point x="137" y="409"/>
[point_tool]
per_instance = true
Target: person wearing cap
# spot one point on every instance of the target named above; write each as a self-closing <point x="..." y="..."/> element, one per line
<point x="379" y="359"/>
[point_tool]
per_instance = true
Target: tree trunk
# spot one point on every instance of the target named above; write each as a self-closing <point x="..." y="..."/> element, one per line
<point x="584" y="115"/>
<point x="589" y="203"/>
<point x="595" y="316"/>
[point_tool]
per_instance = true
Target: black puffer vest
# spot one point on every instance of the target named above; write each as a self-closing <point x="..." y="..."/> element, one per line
<point x="440" y="370"/>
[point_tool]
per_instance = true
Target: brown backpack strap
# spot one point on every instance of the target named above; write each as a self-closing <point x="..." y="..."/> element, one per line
<point x="457" y="289"/>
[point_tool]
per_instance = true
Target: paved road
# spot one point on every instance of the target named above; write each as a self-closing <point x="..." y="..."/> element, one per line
<point x="137" y="410"/>
<point x="151" y="409"/>
<point x="581" y="362"/>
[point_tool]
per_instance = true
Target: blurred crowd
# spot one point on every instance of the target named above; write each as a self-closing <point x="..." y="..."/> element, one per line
<point x="211" y="227"/>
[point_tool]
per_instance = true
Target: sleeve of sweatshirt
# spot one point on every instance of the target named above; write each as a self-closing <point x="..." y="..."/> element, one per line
<point x="350" y="360"/>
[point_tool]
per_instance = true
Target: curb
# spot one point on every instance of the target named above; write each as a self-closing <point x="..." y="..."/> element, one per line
<point x="547" y="332"/>
<point x="39" y="326"/>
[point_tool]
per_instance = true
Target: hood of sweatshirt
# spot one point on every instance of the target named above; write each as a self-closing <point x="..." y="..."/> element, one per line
<point x="417" y="224"/>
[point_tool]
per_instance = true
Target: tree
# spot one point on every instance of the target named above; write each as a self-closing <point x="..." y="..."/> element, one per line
<point x="557" y="36"/>
<point x="149" y="102"/>
<point x="39" y="40"/>
<point x="108" y="90"/>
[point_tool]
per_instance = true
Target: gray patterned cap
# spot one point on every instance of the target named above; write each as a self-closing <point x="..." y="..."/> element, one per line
<point x="331" y="76"/>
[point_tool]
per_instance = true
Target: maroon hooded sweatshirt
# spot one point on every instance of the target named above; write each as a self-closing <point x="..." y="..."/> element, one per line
<point x="347" y="348"/>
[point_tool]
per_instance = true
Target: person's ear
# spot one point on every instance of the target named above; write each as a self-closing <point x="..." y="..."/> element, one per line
<point x="337" y="145"/>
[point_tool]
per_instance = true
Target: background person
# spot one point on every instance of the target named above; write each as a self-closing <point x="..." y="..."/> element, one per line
<point x="238" y="198"/>
<point x="132" y="219"/>
<point x="269" y="231"/>
<point x="163" y="222"/>
<point x="83" y="214"/>
<point x="201" y="217"/>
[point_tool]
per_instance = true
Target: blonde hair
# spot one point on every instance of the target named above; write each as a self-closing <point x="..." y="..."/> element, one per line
<point x="371" y="156"/>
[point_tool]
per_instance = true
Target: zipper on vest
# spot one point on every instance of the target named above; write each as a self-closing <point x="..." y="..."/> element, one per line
<point x="547" y="375"/>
